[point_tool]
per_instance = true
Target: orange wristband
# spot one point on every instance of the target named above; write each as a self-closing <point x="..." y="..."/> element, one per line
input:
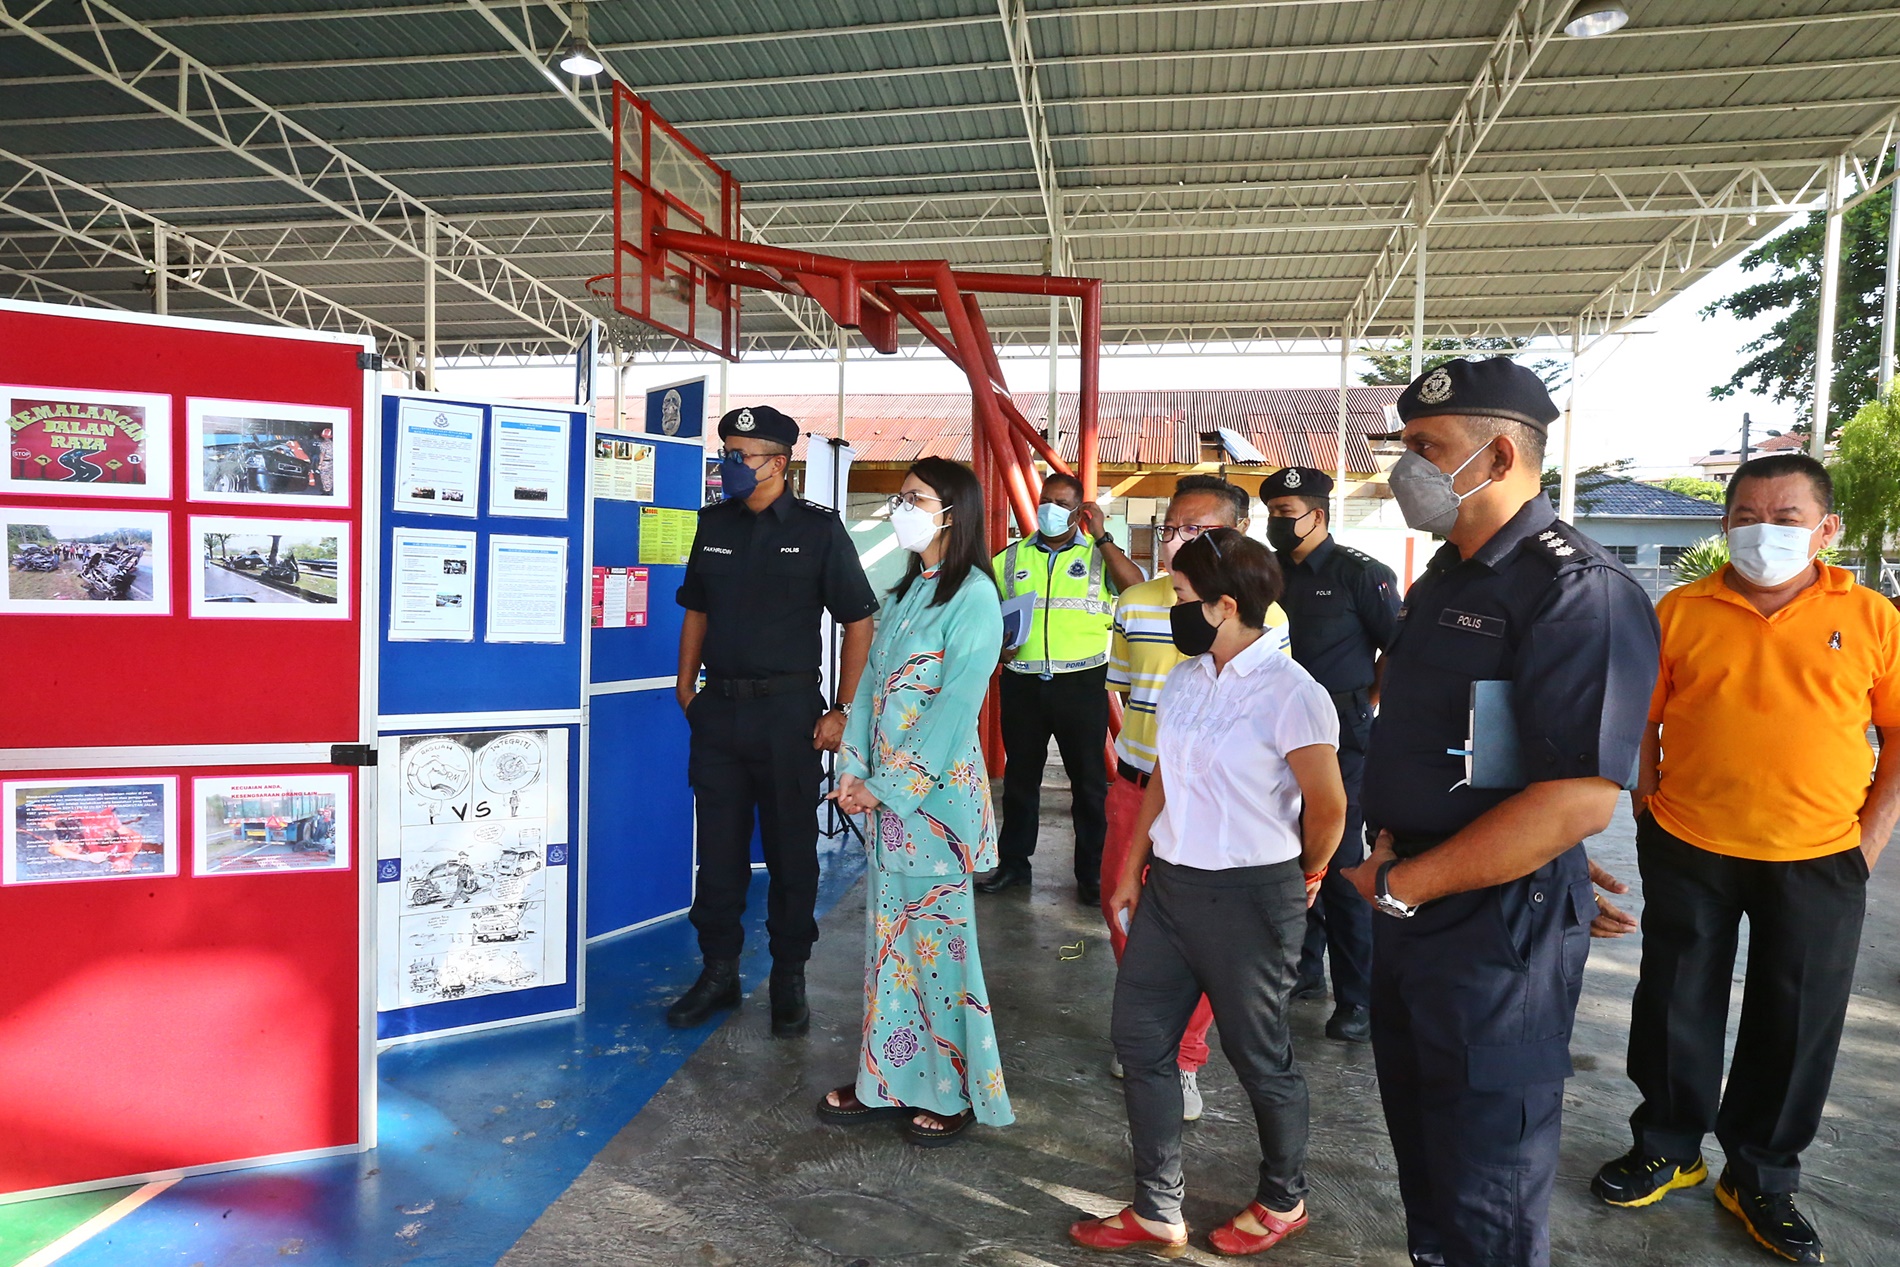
<point x="1313" y="877"/>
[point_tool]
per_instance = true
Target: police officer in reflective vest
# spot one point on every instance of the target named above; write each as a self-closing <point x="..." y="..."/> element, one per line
<point x="1342" y="611"/>
<point x="1483" y="894"/>
<point x="764" y="565"/>
<point x="1056" y="683"/>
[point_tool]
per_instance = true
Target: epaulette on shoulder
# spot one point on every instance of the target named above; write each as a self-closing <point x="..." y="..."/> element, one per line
<point x="820" y="507"/>
<point x="1358" y="556"/>
<point x="1564" y="547"/>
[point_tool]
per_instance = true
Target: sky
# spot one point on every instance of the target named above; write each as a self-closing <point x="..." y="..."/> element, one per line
<point x="1643" y="397"/>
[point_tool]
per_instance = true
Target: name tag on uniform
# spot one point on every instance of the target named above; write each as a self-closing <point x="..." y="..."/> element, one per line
<point x="1470" y="622"/>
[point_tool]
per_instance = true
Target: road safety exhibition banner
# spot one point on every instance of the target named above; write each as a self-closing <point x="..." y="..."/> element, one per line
<point x="473" y="875"/>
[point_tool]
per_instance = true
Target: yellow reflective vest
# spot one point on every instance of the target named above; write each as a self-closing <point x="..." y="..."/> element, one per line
<point x="1075" y="610"/>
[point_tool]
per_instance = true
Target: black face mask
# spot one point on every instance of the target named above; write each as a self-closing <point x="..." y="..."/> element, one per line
<point x="1284" y="535"/>
<point x="1192" y="634"/>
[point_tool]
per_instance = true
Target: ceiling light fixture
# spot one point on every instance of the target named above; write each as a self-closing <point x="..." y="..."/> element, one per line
<point x="1595" y="17"/>
<point x="581" y="59"/>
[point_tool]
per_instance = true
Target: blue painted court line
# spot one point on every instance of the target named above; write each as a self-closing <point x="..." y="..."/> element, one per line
<point x="478" y="1134"/>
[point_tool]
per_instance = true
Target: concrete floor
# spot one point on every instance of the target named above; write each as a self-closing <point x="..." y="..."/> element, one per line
<point x="727" y="1165"/>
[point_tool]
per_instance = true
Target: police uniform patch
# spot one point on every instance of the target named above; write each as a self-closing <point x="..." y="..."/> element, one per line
<point x="1436" y="389"/>
<point x="1291" y="479"/>
<point x="745" y="422"/>
<point x="1078" y="568"/>
<point x="1022" y="574"/>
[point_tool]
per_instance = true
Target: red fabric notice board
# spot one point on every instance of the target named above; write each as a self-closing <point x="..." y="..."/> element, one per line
<point x="156" y="1023"/>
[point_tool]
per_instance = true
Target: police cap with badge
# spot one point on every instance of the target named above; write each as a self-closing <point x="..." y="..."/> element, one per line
<point x="1494" y="388"/>
<point x="759" y="422"/>
<point x="1296" y="481"/>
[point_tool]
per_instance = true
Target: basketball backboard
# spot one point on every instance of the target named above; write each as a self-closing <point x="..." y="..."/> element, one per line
<point x="662" y="180"/>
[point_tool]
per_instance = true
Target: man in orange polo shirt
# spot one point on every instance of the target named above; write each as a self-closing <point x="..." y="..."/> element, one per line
<point x="1758" y="796"/>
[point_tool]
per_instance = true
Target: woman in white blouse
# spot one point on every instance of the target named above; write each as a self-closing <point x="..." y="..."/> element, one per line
<point x="1243" y="812"/>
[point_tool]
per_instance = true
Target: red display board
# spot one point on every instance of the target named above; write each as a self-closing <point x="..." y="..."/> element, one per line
<point x="181" y="898"/>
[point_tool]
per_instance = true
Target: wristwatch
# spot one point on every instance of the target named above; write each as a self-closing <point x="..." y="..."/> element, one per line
<point x="1383" y="898"/>
<point x="1105" y="538"/>
<point x="844" y="707"/>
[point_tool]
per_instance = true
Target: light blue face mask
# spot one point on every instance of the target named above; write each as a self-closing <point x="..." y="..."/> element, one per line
<point x="1052" y="521"/>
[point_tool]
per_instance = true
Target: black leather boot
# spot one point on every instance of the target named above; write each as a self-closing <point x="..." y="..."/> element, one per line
<point x="791" y="1016"/>
<point x="717" y="987"/>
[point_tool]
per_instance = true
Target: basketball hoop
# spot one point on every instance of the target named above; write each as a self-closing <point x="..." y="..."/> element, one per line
<point x="629" y="336"/>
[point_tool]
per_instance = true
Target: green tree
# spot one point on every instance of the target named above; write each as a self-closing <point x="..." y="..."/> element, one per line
<point x="1690" y="486"/>
<point x="1866" y="472"/>
<point x="1782" y="362"/>
<point x="1394" y="368"/>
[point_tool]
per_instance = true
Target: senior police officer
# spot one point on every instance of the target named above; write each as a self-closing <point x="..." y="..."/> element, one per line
<point x="764" y="565"/>
<point x="1484" y="897"/>
<point x="1056" y="683"/>
<point x="1342" y="611"/>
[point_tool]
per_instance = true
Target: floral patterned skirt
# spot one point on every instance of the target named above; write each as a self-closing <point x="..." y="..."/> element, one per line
<point x="929" y="1042"/>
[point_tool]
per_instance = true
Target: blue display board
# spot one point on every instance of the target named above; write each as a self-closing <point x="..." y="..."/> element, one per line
<point x="479" y="900"/>
<point x="677" y="409"/>
<point x="640" y="807"/>
<point x="480" y="676"/>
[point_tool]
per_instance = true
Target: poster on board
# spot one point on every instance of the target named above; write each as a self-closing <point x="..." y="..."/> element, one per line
<point x="70" y="441"/>
<point x="472" y="878"/>
<point x="270" y="569"/>
<point x="267" y="453"/>
<point x="432" y="586"/>
<point x="528" y="474"/>
<point x="270" y="823"/>
<point x="624" y="468"/>
<point x="438" y="457"/>
<point x="86" y="562"/>
<point x="119" y="828"/>
<point x="527" y="589"/>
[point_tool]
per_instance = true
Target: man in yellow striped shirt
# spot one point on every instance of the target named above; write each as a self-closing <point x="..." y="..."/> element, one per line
<point x="1141" y="655"/>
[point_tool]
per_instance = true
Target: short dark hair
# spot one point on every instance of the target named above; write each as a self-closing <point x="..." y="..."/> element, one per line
<point x="1224" y="563"/>
<point x="1235" y="496"/>
<point x="967" y="549"/>
<point x="1529" y="440"/>
<point x="1776" y="465"/>
<point x="1060" y="478"/>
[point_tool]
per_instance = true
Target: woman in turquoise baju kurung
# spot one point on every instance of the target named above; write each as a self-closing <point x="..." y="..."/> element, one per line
<point x="911" y="757"/>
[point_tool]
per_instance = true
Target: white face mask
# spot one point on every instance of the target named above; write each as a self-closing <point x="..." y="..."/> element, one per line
<point x="1770" y="554"/>
<point x="916" y="527"/>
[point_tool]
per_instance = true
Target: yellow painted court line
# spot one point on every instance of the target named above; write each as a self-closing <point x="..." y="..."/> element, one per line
<point x="95" y="1225"/>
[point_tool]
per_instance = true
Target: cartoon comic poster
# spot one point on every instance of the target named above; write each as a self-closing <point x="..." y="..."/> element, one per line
<point x="472" y="880"/>
<point x="88" y="443"/>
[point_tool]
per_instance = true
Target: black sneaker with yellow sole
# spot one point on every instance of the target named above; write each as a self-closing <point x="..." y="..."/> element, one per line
<point x="1634" y="1180"/>
<point x="1772" y="1220"/>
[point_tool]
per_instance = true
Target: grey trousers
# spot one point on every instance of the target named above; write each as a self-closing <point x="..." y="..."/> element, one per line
<point x="1235" y="936"/>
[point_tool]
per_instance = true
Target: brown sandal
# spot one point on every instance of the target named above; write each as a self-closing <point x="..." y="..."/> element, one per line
<point x="851" y="1111"/>
<point x="947" y="1128"/>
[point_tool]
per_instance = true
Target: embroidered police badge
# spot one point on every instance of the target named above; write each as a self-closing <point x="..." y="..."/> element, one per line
<point x="1436" y="389"/>
<point x="1291" y="479"/>
<point x="744" y="422"/>
<point x="1078" y="568"/>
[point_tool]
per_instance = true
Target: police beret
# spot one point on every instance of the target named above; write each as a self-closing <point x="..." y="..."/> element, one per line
<point x="1494" y="388"/>
<point x="759" y="422"/>
<point x="1296" y="481"/>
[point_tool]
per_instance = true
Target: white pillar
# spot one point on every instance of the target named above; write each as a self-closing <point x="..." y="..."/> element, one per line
<point x="161" y="276"/>
<point x="724" y="367"/>
<point x="1339" y="436"/>
<point x="1893" y="282"/>
<point x="620" y="389"/>
<point x="843" y="335"/>
<point x="428" y="304"/>
<point x="1830" y="292"/>
<point x="1567" y="481"/>
<point x="1418" y="310"/>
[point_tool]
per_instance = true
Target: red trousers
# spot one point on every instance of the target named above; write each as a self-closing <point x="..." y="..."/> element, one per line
<point x="1124" y="806"/>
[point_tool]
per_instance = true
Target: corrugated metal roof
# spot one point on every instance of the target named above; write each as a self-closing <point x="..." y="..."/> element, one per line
<point x="1233" y="170"/>
<point x="1289" y="426"/>
<point x="1601" y="495"/>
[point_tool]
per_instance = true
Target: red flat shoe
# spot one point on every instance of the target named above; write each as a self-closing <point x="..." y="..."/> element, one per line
<point x="1231" y="1241"/>
<point x="1100" y="1234"/>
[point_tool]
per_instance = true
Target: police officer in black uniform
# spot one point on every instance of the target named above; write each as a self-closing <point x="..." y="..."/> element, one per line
<point x="764" y="566"/>
<point x="1342" y="611"/>
<point x="1483" y="895"/>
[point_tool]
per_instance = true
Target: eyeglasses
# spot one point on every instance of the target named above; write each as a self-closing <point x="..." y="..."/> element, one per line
<point x="896" y="500"/>
<point x="1187" y="532"/>
<point x="740" y="455"/>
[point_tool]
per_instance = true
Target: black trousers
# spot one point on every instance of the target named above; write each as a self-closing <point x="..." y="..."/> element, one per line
<point x="1804" y="921"/>
<point x="1232" y="935"/>
<point x="1473" y="1000"/>
<point x="1073" y="709"/>
<point x="755" y="756"/>
<point x="1341" y="921"/>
